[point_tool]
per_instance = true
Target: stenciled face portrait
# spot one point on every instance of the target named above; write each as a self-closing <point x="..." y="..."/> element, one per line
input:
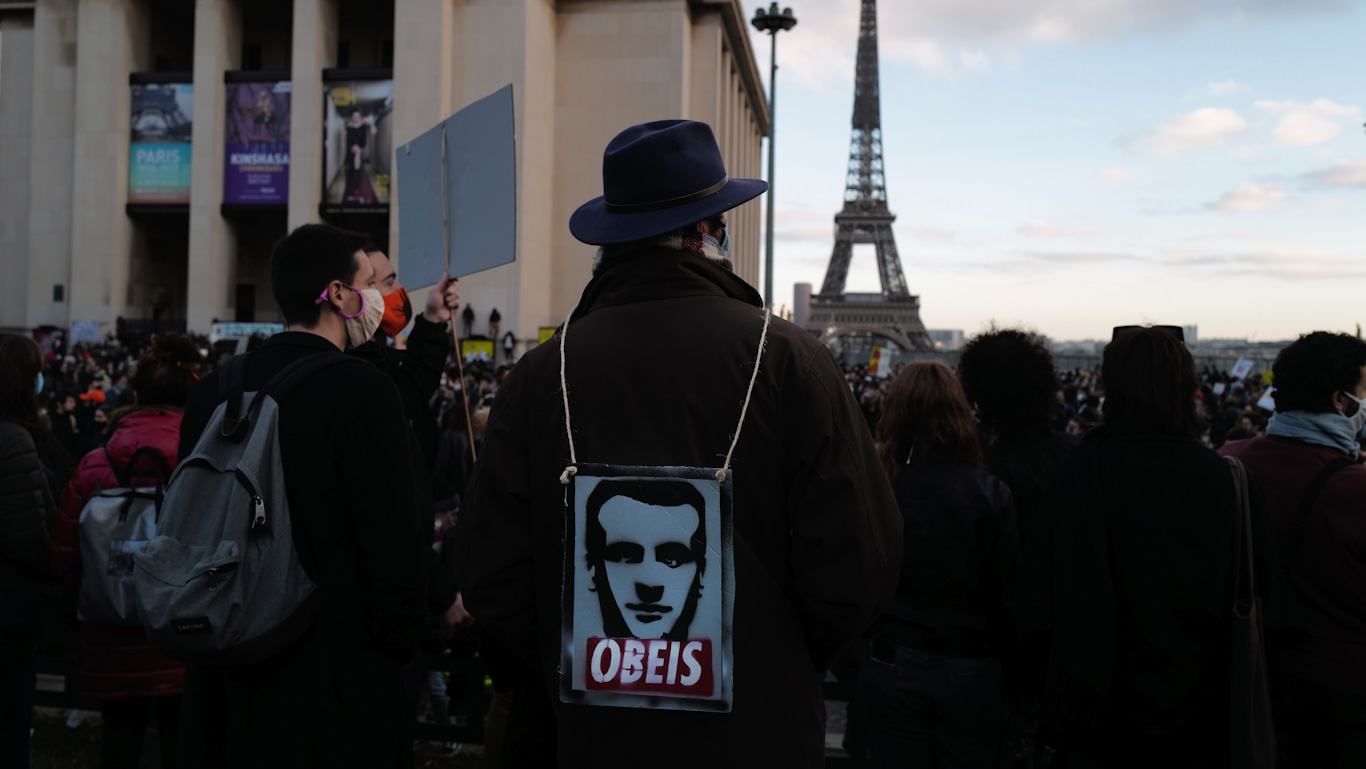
<point x="649" y="563"/>
<point x="648" y="602"/>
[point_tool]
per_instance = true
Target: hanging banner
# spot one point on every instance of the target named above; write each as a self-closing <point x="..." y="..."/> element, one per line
<point x="257" y="143"/>
<point x="357" y="143"/>
<point x="649" y="589"/>
<point x="159" y="154"/>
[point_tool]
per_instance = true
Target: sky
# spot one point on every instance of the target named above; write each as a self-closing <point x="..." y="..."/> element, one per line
<point x="1072" y="165"/>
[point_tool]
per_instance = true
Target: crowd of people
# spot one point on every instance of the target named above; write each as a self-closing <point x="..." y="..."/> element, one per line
<point x="1017" y="566"/>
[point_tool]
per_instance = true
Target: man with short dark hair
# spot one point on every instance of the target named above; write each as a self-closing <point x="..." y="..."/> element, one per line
<point x="1308" y="464"/>
<point x="358" y="531"/>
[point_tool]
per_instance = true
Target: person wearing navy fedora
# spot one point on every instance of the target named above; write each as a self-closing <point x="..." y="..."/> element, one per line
<point x="667" y="354"/>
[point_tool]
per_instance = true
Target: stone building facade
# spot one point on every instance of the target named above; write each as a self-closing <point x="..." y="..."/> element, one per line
<point x="74" y="248"/>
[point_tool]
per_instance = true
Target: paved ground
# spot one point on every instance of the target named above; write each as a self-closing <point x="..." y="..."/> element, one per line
<point x="57" y="745"/>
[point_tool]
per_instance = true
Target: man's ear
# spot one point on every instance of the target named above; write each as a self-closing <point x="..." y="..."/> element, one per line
<point x="1343" y="404"/>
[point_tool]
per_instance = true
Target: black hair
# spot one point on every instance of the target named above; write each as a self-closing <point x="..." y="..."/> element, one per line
<point x="304" y="262"/>
<point x="168" y="372"/>
<point x="21" y="360"/>
<point x="661" y="493"/>
<point x="1150" y="383"/>
<point x="1311" y="369"/>
<point x="1008" y="376"/>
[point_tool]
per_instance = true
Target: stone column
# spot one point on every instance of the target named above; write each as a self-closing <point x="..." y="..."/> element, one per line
<point x="51" y="161"/>
<point x="314" y="49"/>
<point x="423" y="73"/>
<point x="111" y="42"/>
<point x="16" y="100"/>
<point x="213" y="239"/>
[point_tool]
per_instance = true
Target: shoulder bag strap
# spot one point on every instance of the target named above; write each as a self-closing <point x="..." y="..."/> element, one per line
<point x="1311" y="494"/>
<point x="1244" y="588"/>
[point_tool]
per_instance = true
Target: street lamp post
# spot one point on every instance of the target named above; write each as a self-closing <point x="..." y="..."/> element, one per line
<point x="772" y="22"/>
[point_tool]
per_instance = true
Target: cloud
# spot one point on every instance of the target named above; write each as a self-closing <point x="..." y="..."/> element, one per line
<point x="1344" y="173"/>
<point x="1116" y="175"/>
<point x="1221" y="88"/>
<point x="1308" y="123"/>
<point x="974" y="61"/>
<point x="1248" y="197"/>
<point x="1280" y="263"/>
<point x="916" y="33"/>
<point x="1081" y="257"/>
<point x="1205" y="128"/>
<point x="1039" y="228"/>
<point x="934" y="236"/>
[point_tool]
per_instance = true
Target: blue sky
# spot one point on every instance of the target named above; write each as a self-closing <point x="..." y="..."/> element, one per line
<point x="1073" y="165"/>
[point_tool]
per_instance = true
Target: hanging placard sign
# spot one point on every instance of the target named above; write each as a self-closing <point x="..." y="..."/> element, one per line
<point x="649" y="588"/>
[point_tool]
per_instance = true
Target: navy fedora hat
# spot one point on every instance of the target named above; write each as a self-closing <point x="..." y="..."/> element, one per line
<point x="656" y="178"/>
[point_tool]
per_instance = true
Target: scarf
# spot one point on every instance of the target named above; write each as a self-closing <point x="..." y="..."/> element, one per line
<point x="1331" y="430"/>
<point x="686" y="239"/>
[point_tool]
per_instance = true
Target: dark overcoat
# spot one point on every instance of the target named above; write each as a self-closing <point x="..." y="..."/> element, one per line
<point x="659" y="355"/>
<point x="336" y="697"/>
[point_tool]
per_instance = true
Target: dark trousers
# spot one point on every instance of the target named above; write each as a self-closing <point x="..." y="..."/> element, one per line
<point x="21" y="615"/>
<point x="125" y="728"/>
<point x="923" y="710"/>
<point x="1317" y="727"/>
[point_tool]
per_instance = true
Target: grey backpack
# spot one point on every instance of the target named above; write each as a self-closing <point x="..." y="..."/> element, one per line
<point x="114" y="524"/>
<point x="221" y="582"/>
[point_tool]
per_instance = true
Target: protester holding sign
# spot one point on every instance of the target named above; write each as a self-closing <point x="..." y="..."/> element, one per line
<point x="689" y="582"/>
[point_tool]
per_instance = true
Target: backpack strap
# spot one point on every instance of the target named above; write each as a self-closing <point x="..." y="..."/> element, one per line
<point x="232" y="384"/>
<point x="1311" y="494"/>
<point x="126" y="475"/>
<point x="295" y="373"/>
<point x="291" y="376"/>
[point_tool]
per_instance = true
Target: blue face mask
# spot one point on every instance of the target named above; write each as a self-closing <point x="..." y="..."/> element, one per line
<point x="40" y="383"/>
<point x="725" y="244"/>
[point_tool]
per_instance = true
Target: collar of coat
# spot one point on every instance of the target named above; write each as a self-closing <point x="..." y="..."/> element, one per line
<point x="652" y="274"/>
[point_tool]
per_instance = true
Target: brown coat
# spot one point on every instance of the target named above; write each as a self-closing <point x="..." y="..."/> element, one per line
<point x="659" y="355"/>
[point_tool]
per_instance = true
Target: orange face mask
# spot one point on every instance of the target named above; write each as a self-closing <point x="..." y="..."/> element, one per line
<point x="398" y="310"/>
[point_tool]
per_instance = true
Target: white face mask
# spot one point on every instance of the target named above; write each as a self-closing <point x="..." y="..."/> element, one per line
<point x="362" y="327"/>
<point x="1358" y="418"/>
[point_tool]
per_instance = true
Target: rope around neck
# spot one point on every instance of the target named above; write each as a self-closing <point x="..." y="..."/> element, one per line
<point x="572" y="469"/>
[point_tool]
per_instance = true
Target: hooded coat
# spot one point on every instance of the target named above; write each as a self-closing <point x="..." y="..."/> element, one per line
<point x="659" y="354"/>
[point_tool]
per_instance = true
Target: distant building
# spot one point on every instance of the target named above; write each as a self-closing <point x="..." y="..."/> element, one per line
<point x="947" y="340"/>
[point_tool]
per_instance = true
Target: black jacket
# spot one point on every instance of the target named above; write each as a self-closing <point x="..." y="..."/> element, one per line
<point x="1027" y="464"/>
<point x="817" y="535"/>
<point x="27" y="511"/>
<point x="348" y="466"/>
<point x="960" y="552"/>
<point x="416" y="371"/>
<point x="1130" y="578"/>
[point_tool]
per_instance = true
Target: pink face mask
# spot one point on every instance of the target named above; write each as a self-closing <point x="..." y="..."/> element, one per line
<point x="323" y="298"/>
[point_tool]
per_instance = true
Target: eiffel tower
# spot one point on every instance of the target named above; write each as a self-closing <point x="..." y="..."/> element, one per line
<point x="893" y="314"/>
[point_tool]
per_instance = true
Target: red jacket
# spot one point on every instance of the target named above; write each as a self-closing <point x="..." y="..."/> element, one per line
<point x="1329" y="572"/>
<point x="115" y="661"/>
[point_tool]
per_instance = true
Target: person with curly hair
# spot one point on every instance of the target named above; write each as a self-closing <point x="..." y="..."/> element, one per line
<point x="1309" y="462"/>
<point x="1010" y="380"/>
